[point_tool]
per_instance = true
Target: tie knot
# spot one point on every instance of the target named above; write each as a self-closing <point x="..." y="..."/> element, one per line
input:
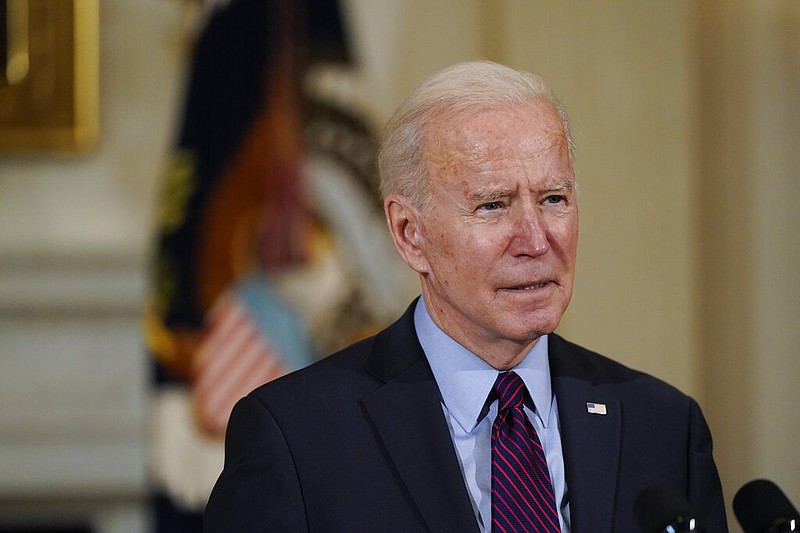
<point x="509" y="389"/>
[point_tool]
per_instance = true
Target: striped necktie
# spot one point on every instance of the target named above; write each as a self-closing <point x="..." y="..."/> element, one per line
<point x="522" y="494"/>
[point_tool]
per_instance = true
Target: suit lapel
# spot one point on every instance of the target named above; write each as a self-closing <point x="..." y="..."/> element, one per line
<point x="407" y="416"/>
<point x="408" y="420"/>
<point x="590" y="440"/>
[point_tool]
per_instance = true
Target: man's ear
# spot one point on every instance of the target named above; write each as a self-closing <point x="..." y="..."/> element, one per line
<point x="404" y="225"/>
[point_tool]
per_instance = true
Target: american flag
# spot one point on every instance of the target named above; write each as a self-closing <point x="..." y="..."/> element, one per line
<point x="596" y="408"/>
<point x="234" y="357"/>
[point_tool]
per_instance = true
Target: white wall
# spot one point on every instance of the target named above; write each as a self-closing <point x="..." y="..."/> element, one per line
<point x="74" y="233"/>
<point x="749" y="62"/>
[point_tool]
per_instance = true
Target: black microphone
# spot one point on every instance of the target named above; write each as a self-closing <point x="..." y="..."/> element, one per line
<point x="761" y="507"/>
<point x="663" y="509"/>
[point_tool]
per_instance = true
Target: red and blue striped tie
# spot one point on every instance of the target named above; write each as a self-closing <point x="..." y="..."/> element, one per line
<point x="522" y="494"/>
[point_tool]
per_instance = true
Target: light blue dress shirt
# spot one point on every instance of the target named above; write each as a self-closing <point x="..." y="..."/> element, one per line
<point x="465" y="381"/>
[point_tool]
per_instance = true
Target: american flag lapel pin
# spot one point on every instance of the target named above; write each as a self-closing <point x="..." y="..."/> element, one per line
<point x="596" y="408"/>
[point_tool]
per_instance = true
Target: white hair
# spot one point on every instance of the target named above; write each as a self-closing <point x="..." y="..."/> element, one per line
<point x="457" y="89"/>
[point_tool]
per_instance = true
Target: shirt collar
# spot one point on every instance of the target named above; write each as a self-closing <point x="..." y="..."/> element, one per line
<point x="465" y="380"/>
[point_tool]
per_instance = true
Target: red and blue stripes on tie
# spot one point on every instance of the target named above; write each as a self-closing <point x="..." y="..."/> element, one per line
<point x="522" y="493"/>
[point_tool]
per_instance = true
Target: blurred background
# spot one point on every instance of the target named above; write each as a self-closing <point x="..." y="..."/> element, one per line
<point x="179" y="168"/>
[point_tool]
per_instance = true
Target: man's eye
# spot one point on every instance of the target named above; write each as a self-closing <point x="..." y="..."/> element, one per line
<point x="554" y="199"/>
<point x="491" y="206"/>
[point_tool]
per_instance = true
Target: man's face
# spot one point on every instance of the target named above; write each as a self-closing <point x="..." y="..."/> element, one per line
<point x="497" y="247"/>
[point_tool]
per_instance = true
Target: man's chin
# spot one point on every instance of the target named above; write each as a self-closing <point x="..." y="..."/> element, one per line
<point x="532" y="329"/>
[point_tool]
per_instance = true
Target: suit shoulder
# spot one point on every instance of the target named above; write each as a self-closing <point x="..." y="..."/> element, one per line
<point x="570" y="359"/>
<point x="339" y="371"/>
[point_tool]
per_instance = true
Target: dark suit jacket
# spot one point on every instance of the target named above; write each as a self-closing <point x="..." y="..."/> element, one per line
<point x="358" y="443"/>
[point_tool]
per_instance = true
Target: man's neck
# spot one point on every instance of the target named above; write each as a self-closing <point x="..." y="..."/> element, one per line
<point x="501" y="353"/>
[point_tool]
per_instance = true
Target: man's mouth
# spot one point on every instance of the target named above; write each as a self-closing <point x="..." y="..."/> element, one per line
<point x="527" y="286"/>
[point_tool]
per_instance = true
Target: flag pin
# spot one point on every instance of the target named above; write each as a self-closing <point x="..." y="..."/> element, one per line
<point x="596" y="408"/>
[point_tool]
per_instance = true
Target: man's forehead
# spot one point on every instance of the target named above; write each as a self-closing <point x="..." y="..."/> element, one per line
<point x="493" y="135"/>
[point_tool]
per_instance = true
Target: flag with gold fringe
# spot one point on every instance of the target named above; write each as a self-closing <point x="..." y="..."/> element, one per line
<point x="259" y="265"/>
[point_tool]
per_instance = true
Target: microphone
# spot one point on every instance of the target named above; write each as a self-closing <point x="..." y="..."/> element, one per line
<point x="761" y="507"/>
<point x="663" y="509"/>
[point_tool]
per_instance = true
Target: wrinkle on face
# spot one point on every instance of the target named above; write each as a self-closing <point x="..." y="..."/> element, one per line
<point x="483" y="281"/>
<point x="454" y="151"/>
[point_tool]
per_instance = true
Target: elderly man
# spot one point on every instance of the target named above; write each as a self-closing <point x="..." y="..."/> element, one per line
<point x="468" y="414"/>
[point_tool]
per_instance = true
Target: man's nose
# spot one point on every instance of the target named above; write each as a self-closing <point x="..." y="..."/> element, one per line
<point x="529" y="232"/>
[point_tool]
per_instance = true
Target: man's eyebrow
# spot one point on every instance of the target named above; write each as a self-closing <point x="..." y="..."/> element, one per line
<point x="560" y="186"/>
<point x="488" y="194"/>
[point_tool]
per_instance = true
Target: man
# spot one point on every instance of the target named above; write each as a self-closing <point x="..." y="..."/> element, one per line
<point x="407" y="430"/>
